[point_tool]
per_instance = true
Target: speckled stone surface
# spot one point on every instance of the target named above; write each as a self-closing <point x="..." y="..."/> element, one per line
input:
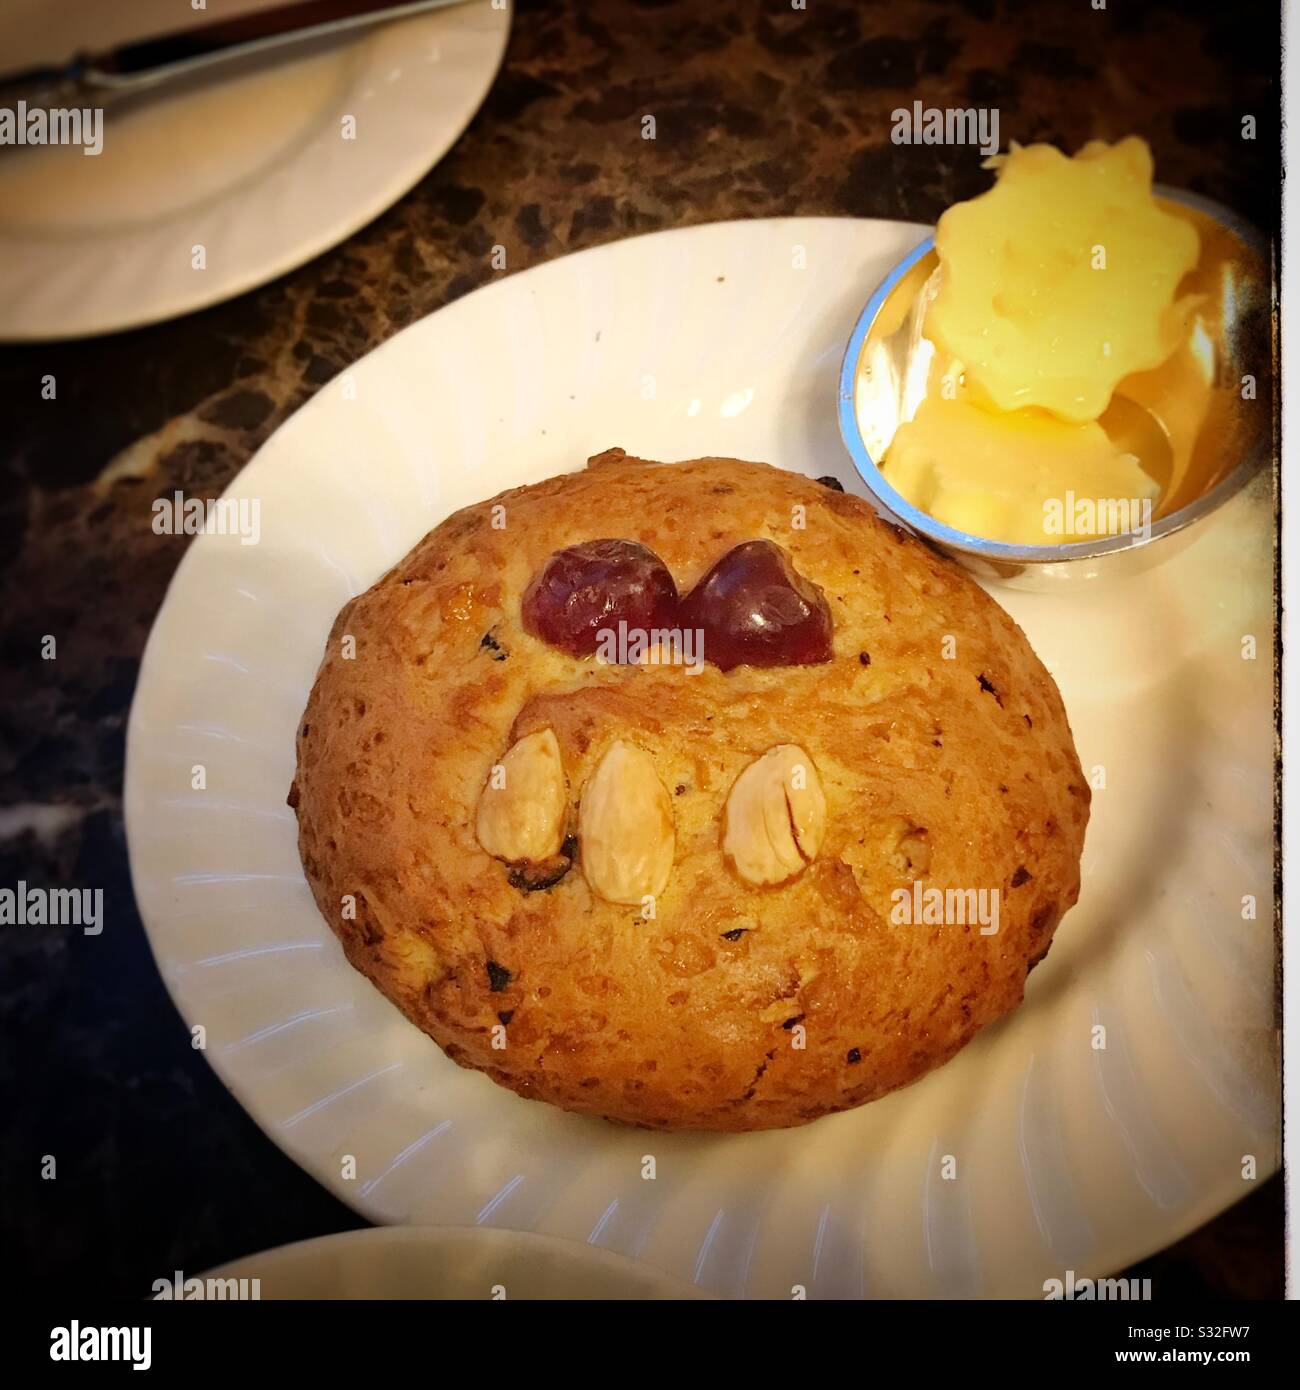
<point x="762" y="109"/>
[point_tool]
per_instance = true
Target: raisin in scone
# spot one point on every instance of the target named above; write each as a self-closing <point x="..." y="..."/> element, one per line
<point x="691" y="795"/>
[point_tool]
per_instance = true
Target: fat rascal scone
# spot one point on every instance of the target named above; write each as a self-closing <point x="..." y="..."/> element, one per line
<point x="691" y="795"/>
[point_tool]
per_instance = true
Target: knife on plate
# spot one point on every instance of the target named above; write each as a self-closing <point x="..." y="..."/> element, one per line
<point x="145" y="63"/>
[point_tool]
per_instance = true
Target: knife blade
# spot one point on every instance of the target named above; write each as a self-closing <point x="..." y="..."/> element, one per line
<point x="151" y="62"/>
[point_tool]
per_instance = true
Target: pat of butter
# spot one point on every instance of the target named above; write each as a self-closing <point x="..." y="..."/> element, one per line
<point x="1023" y="477"/>
<point x="1060" y="280"/>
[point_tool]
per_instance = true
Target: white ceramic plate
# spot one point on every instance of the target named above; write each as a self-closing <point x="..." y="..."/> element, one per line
<point x="723" y="339"/>
<point x="254" y="169"/>
<point x="396" y="1262"/>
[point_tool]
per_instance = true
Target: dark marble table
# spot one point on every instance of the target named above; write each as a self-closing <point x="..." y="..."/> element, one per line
<point x="762" y="109"/>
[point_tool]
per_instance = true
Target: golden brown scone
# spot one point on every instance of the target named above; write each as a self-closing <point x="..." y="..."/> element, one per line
<point x="736" y="1007"/>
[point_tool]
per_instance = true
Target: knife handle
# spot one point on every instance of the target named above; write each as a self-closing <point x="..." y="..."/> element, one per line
<point x="218" y="36"/>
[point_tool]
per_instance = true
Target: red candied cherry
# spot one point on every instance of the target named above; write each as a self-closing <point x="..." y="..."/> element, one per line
<point x="755" y="609"/>
<point x="587" y="588"/>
